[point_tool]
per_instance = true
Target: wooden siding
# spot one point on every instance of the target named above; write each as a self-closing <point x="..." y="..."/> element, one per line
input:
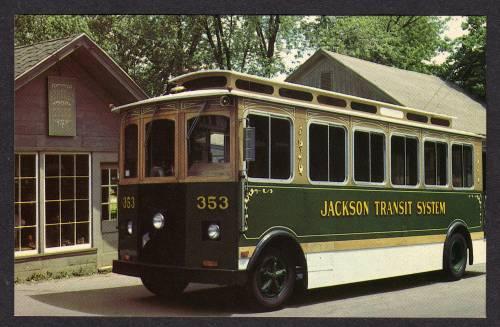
<point x="97" y="129"/>
<point x="344" y="81"/>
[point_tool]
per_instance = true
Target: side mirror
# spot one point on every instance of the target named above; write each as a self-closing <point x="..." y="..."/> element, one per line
<point x="249" y="144"/>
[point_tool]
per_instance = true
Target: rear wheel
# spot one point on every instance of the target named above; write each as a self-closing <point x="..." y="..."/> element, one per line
<point x="272" y="280"/>
<point x="455" y="256"/>
<point x="163" y="288"/>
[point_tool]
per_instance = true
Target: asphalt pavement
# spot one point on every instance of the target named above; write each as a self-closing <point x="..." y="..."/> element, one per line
<point x="419" y="295"/>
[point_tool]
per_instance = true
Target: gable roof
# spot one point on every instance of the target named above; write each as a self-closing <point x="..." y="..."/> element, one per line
<point x="32" y="60"/>
<point x="412" y="89"/>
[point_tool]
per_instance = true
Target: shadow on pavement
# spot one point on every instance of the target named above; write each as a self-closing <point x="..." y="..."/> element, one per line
<point x="217" y="301"/>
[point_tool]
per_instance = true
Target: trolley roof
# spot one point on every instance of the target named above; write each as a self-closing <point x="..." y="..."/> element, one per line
<point x="223" y="82"/>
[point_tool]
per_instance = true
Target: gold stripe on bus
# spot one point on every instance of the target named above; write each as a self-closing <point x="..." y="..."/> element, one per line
<point x="328" y="246"/>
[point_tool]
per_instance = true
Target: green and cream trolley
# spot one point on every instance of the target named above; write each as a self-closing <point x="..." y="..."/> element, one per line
<point x="236" y="179"/>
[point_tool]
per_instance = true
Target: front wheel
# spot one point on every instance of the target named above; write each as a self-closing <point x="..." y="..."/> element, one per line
<point x="163" y="288"/>
<point x="455" y="256"/>
<point x="272" y="280"/>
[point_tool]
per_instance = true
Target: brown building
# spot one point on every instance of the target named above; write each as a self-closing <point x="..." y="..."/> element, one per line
<point x="344" y="74"/>
<point x="66" y="154"/>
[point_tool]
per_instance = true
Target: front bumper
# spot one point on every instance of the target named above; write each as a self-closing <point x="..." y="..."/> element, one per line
<point x="197" y="275"/>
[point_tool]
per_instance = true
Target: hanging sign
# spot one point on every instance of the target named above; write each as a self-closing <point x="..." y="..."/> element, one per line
<point x="62" y="113"/>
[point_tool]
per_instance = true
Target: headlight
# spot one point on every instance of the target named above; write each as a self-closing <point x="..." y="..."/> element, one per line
<point x="130" y="227"/>
<point x="158" y="221"/>
<point x="213" y="232"/>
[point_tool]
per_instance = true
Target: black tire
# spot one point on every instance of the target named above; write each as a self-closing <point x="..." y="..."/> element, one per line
<point x="272" y="279"/>
<point x="455" y="256"/>
<point x="163" y="288"/>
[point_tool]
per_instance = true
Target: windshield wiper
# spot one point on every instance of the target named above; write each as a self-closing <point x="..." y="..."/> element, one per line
<point x="193" y="125"/>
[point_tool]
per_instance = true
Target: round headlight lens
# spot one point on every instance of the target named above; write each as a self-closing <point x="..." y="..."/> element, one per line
<point x="213" y="231"/>
<point x="158" y="221"/>
<point x="130" y="228"/>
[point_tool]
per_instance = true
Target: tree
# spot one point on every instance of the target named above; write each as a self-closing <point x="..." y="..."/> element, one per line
<point x="466" y="66"/>
<point x="407" y="42"/>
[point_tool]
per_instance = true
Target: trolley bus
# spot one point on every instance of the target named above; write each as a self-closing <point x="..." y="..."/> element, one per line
<point x="234" y="179"/>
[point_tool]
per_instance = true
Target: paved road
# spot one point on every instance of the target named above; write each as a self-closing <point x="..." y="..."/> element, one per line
<point x="421" y="295"/>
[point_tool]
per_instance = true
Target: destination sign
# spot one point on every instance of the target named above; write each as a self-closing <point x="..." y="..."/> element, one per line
<point x="347" y="208"/>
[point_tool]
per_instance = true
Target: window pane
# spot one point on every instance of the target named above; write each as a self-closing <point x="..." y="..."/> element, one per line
<point x="104" y="176"/>
<point x="377" y="157"/>
<point x="51" y="165"/>
<point x="104" y="194"/>
<point x="318" y="152"/>
<point x="52" y="212"/>
<point x="260" y="167"/>
<point x="52" y="237"/>
<point x="130" y="151"/>
<point x="337" y="154"/>
<point x="68" y="235"/>
<point x="17" y="215"/>
<point x="28" y="214"/>
<point x="82" y="188"/>
<point x="160" y="148"/>
<point x="28" y="163"/>
<point x="28" y="238"/>
<point x="67" y="188"/>
<point x="52" y="188"/>
<point x="280" y="149"/>
<point x="82" y="165"/>
<point x="361" y="156"/>
<point x="468" y="176"/>
<point x="114" y="176"/>
<point x="67" y="211"/>
<point x="430" y="163"/>
<point x="16" y="189"/>
<point x="398" y="160"/>
<point x="67" y="165"/>
<point x="28" y="189"/>
<point x="442" y="157"/>
<point x="456" y="165"/>
<point x="82" y="233"/>
<point x="411" y="161"/>
<point x="208" y="146"/>
<point x="82" y="210"/>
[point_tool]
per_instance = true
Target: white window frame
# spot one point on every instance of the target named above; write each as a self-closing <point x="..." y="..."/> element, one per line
<point x="451" y="165"/>
<point x="419" y="159"/>
<point x="448" y="163"/>
<point x="37" y="204"/>
<point x="368" y="130"/>
<point x="346" y="152"/>
<point x="292" y="147"/>
<point x="76" y="246"/>
<point x="107" y="166"/>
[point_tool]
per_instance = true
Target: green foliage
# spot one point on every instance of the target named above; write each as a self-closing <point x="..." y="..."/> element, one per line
<point x="154" y="48"/>
<point x="406" y="42"/>
<point x="466" y="66"/>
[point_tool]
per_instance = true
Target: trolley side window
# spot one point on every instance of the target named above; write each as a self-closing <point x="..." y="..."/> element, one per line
<point x="208" y="146"/>
<point x="272" y="147"/>
<point x="160" y="148"/>
<point x="435" y="162"/>
<point x="327" y="161"/>
<point x="369" y="157"/>
<point x="461" y="165"/>
<point x="404" y="160"/>
<point x="130" y="148"/>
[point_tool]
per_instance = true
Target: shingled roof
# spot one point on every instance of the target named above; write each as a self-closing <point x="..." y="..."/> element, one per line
<point x="26" y="57"/>
<point x="415" y="90"/>
<point x="32" y="60"/>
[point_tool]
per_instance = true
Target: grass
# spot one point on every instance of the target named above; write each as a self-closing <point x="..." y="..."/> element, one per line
<point x="62" y="274"/>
